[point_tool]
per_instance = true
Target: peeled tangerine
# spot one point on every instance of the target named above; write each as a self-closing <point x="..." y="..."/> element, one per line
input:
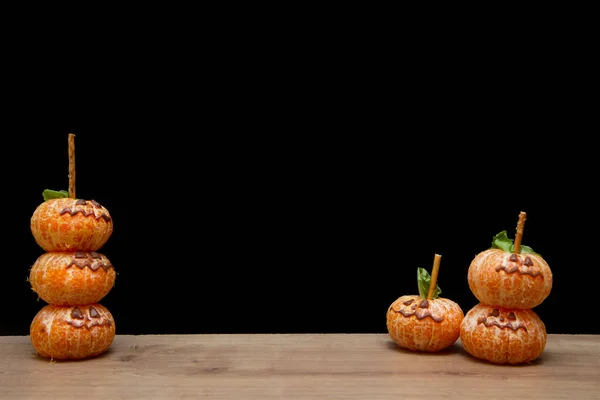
<point x="503" y="336"/>
<point x="71" y="278"/>
<point x="508" y="279"/>
<point x="69" y="224"/>
<point x="416" y="323"/>
<point x="424" y="322"/>
<point x="72" y="332"/>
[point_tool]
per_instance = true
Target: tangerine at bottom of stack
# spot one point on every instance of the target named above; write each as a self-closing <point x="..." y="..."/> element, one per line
<point x="72" y="332"/>
<point x="502" y="335"/>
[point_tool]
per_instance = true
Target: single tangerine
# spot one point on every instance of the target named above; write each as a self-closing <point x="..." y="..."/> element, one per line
<point x="503" y="336"/>
<point x="71" y="278"/>
<point x="72" y="332"/>
<point x="68" y="224"/>
<point x="416" y="323"/>
<point x="505" y="279"/>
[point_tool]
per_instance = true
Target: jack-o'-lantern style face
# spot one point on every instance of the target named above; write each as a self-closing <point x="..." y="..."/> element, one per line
<point x="72" y="332"/>
<point x="501" y="277"/>
<point x="70" y="278"/>
<point x="420" y="308"/>
<point x="503" y="336"/>
<point x="68" y="224"/>
<point x="416" y="323"/>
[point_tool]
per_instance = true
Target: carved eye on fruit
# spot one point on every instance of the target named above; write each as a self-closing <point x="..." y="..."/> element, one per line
<point x="424" y="322"/>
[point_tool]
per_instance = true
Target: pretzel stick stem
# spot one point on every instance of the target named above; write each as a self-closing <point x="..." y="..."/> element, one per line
<point x="72" y="165"/>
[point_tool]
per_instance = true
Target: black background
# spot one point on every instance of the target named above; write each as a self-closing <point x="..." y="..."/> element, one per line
<point x="259" y="189"/>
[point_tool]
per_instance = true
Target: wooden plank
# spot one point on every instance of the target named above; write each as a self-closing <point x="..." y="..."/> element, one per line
<point x="295" y="366"/>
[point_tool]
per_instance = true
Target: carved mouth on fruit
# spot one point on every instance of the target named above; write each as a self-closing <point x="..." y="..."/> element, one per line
<point x="522" y="266"/>
<point x="82" y="206"/>
<point x="495" y="318"/>
<point x="92" y="260"/>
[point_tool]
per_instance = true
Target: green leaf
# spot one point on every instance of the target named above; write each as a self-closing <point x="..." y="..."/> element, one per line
<point x="54" y="194"/>
<point x="502" y="242"/>
<point x="424" y="282"/>
<point x="526" y="250"/>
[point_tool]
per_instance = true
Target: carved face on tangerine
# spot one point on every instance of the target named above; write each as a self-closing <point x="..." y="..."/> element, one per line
<point x="503" y="336"/>
<point x="67" y="224"/>
<point x="416" y="323"/>
<point x="72" y="332"/>
<point x="510" y="280"/>
<point x="70" y="278"/>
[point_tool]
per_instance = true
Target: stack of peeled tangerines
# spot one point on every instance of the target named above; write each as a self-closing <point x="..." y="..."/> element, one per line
<point x="508" y="280"/>
<point x="72" y="277"/>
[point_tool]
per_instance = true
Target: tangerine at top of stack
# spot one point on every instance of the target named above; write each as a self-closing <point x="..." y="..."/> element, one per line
<point x="68" y="224"/>
<point x="502" y="277"/>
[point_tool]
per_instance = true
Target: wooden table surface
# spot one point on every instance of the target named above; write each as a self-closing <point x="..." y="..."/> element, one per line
<point x="295" y="366"/>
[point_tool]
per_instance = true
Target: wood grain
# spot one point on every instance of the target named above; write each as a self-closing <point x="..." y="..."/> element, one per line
<point x="295" y="366"/>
